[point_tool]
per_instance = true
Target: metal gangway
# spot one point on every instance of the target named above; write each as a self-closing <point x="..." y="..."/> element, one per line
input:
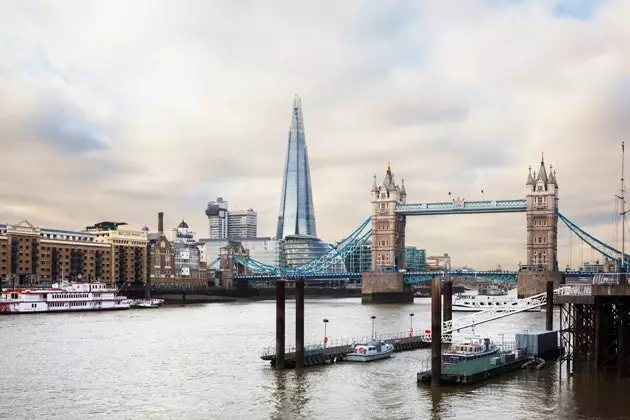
<point x="521" y="305"/>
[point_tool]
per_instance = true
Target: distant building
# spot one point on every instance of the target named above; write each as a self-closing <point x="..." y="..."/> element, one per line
<point x="297" y="213"/>
<point x="242" y="224"/>
<point x="592" y="267"/>
<point x="415" y="259"/>
<point x="300" y="249"/>
<point x="439" y="263"/>
<point x="29" y="254"/>
<point x="177" y="260"/>
<point x="217" y="212"/>
<point x="360" y="261"/>
<point x="268" y="251"/>
<point x="129" y="250"/>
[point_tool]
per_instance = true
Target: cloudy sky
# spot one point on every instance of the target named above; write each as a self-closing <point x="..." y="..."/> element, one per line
<point x="117" y="110"/>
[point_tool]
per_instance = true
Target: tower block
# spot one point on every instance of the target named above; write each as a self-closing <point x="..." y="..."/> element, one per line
<point x="385" y="283"/>
<point x="542" y="232"/>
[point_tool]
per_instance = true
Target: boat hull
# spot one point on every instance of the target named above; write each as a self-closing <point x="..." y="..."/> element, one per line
<point x="356" y="357"/>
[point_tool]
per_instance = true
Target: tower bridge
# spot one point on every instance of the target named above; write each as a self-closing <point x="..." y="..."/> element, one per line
<point x="385" y="228"/>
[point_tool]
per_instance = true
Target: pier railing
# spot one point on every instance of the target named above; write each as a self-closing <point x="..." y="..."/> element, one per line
<point x="575" y="290"/>
<point x="315" y="348"/>
<point x="606" y="278"/>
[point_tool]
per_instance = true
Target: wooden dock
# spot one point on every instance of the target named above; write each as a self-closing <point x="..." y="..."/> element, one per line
<point x="317" y="354"/>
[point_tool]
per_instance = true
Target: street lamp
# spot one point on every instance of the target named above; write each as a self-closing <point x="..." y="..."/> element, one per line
<point x="410" y="325"/>
<point x="325" y="337"/>
<point x="373" y="319"/>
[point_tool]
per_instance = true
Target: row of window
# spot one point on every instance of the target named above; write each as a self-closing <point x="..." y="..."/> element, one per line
<point x="540" y="258"/>
<point x="71" y="296"/>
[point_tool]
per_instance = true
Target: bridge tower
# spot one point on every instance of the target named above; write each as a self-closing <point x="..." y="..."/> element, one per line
<point x="542" y="219"/>
<point x="385" y="283"/>
<point x="542" y="232"/>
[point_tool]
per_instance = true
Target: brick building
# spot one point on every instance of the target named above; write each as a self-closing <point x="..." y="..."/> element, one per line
<point x="29" y="254"/>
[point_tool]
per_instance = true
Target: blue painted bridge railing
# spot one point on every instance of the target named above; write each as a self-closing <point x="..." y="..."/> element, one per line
<point x="410" y="277"/>
<point x="462" y="207"/>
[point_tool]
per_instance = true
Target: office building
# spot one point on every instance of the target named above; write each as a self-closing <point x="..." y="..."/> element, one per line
<point x="268" y="251"/>
<point x="242" y="224"/>
<point x="217" y="212"/>
<point x="439" y="263"/>
<point x="297" y="213"/>
<point x="415" y="259"/>
<point x="360" y="261"/>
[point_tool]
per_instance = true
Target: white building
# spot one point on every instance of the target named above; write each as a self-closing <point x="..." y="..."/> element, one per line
<point x="242" y="224"/>
<point x="187" y="255"/>
<point x="217" y="212"/>
<point x="439" y="262"/>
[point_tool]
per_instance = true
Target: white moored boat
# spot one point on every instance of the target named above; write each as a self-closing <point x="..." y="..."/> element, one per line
<point x="69" y="297"/>
<point x="470" y="348"/>
<point x="149" y="303"/>
<point x="372" y="350"/>
<point x="476" y="303"/>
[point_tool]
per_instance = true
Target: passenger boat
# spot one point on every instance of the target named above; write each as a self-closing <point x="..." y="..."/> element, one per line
<point x="69" y="297"/>
<point x="476" y="303"/>
<point x="372" y="350"/>
<point x="470" y="348"/>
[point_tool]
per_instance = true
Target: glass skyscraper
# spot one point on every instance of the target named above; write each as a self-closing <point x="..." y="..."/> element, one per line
<point x="297" y="214"/>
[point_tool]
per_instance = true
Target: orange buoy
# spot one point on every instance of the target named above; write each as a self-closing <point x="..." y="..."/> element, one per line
<point x="325" y="340"/>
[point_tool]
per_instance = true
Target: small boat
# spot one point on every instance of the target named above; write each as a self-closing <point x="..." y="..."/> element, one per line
<point x="149" y="303"/>
<point x="372" y="350"/>
<point x="477" y="303"/>
<point x="470" y="348"/>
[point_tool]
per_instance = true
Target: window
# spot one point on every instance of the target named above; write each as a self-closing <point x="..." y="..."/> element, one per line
<point x="157" y="258"/>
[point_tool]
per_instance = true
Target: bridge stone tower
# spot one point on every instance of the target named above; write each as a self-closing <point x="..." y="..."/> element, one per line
<point x="542" y="232"/>
<point x="542" y="220"/>
<point x="385" y="283"/>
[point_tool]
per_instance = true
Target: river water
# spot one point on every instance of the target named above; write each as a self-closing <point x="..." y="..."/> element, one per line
<point x="203" y="362"/>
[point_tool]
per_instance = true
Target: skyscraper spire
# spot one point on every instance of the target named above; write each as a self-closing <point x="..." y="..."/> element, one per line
<point x="297" y="213"/>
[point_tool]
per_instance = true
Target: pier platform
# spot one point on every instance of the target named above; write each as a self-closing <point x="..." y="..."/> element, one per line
<point x="316" y="354"/>
<point x="475" y="370"/>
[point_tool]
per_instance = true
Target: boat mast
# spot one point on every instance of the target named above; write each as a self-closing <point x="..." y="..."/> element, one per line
<point x="623" y="214"/>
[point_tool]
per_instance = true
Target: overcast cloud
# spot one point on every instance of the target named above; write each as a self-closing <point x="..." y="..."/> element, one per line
<point x="117" y="110"/>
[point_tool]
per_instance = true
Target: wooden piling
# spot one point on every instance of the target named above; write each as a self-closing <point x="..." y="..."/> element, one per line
<point x="448" y="300"/>
<point x="549" y="307"/>
<point x="436" y="333"/>
<point x="280" y="300"/>
<point x="299" y="324"/>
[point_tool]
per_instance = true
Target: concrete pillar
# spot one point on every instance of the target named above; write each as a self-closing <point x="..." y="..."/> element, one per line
<point x="549" y="308"/>
<point x="299" y="324"/>
<point x="436" y="333"/>
<point x="448" y="300"/>
<point x="280" y="298"/>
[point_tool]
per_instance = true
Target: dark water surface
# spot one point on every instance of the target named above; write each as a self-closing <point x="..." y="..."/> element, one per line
<point x="202" y="362"/>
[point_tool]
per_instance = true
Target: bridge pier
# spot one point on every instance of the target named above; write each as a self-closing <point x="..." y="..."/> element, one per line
<point x="385" y="287"/>
<point x="549" y="307"/>
<point x="535" y="283"/>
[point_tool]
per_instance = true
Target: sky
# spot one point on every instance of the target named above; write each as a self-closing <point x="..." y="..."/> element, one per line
<point x="117" y="110"/>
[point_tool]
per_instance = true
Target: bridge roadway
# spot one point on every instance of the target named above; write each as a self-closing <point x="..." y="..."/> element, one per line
<point x="411" y="277"/>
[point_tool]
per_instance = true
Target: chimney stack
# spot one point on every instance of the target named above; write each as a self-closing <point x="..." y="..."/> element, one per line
<point x="160" y="222"/>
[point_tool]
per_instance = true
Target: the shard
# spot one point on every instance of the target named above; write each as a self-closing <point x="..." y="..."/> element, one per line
<point x="297" y="214"/>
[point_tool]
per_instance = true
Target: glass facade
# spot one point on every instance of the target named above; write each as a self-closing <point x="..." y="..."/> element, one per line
<point x="415" y="259"/>
<point x="302" y="249"/>
<point x="297" y="214"/>
<point x="360" y="261"/>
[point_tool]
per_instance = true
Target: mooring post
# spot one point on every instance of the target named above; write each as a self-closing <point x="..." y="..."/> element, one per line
<point x="436" y="333"/>
<point x="299" y="324"/>
<point x="280" y="297"/>
<point x="621" y="340"/>
<point x="448" y="300"/>
<point x="549" y="308"/>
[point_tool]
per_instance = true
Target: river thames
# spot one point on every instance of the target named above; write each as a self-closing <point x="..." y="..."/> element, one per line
<point x="203" y="362"/>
